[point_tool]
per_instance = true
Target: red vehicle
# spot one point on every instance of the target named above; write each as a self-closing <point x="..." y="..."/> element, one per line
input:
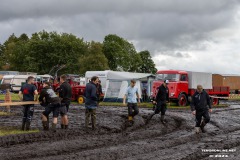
<point x="182" y="85"/>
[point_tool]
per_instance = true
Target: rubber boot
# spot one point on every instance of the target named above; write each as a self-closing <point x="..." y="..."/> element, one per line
<point x="23" y="125"/>
<point x="202" y="126"/>
<point x="28" y="125"/>
<point x="45" y="125"/>
<point x="66" y="127"/>
<point x="93" y="118"/>
<point x="54" y="127"/>
<point x="197" y="130"/>
<point x="130" y="120"/>
<point x="162" y="119"/>
<point x="62" y="126"/>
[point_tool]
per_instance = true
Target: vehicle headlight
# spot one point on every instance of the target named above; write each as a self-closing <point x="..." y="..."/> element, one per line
<point x="171" y="94"/>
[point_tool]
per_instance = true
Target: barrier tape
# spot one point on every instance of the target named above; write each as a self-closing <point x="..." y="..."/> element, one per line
<point x="230" y="97"/>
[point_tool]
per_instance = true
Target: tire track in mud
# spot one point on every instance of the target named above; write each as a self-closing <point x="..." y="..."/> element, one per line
<point x="138" y="142"/>
<point x="117" y="141"/>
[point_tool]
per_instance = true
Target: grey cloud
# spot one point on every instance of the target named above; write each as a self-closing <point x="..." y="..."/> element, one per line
<point x="159" y="26"/>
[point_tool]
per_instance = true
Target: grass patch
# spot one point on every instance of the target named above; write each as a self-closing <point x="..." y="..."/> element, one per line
<point x="6" y="114"/>
<point x="13" y="95"/>
<point x="10" y="131"/>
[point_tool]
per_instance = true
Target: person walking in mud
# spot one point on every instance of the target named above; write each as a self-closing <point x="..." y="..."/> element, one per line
<point x="130" y="95"/>
<point x="26" y="93"/>
<point x="65" y="94"/>
<point x="52" y="103"/>
<point x="91" y="102"/>
<point x="161" y="100"/>
<point x="201" y="106"/>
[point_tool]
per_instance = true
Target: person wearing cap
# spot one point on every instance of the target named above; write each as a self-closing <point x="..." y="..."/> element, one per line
<point x="201" y="106"/>
<point x="161" y="100"/>
<point x="132" y="95"/>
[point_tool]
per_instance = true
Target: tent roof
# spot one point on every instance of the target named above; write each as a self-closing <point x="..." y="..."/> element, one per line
<point x="117" y="75"/>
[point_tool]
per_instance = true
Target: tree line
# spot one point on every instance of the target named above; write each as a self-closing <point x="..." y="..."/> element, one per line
<point x="43" y="50"/>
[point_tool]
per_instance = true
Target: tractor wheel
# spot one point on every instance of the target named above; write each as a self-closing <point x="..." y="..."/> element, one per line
<point x="80" y="100"/>
<point x="215" y="101"/>
<point x="182" y="100"/>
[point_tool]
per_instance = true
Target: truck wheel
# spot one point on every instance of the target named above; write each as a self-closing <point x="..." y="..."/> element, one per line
<point x="182" y="100"/>
<point x="80" y="100"/>
<point x="215" y="101"/>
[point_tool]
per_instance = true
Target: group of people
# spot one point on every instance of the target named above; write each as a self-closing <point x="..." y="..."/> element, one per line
<point x="200" y="103"/>
<point x="49" y="99"/>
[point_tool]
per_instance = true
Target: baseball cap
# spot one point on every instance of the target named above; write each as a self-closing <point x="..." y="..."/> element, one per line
<point x="166" y="81"/>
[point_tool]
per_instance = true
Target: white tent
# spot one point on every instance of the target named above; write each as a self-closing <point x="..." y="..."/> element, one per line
<point x="114" y="83"/>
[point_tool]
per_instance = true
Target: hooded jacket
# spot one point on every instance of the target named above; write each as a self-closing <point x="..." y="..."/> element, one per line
<point x="200" y="101"/>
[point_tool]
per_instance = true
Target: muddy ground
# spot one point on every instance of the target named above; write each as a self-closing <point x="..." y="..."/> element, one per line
<point x="114" y="139"/>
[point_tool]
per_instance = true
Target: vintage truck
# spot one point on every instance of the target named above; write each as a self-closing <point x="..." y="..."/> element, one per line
<point x="183" y="84"/>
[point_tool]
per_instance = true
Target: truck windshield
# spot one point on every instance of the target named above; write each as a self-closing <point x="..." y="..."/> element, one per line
<point x="171" y="77"/>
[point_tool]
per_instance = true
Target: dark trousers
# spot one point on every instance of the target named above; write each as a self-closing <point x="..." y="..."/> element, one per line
<point x="199" y="115"/>
<point x="132" y="109"/>
<point x="90" y="113"/>
<point x="28" y="111"/>
<point x="161" y="107"/>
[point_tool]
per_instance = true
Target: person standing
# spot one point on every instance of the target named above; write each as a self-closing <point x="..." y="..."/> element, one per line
<point x="161" y="100"/>
<point x="99" y="91"/>
<point x="52" y="103"/>
<point x="65" y="94"/>
<point x="91" y="102"/>
<point x="201" y="106"/>
<point x="26" y="93"/>
<point x="132" y="95"/>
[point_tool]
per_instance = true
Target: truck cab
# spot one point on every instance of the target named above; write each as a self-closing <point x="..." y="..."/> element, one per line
<point x="178" y="85"/>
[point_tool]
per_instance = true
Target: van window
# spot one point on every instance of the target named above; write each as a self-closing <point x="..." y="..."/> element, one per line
<point x="6" y="81"/>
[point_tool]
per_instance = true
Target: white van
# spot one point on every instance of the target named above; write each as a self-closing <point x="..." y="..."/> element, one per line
<point x="15" y="81"/>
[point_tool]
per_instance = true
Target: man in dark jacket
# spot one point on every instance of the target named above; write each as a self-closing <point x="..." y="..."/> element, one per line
<point x="65" y="94"/>
<point x="51" y="102"/>
<point x="161" y="100"/>
<point x="27" y="93"/>
<point x="201" y="106"/>
<point x="91" y="102"/>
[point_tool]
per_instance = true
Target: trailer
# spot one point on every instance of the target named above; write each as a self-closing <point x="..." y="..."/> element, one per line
<point x="182" y="85"/>
<point x="231" y="80"/>
<point x="15" y="81"/>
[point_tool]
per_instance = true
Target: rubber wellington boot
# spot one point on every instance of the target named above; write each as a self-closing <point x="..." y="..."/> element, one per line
<point x="202" y="125"/>
<point x="62" y="126"/>
<point x="162" y="119"/>
<point x="45" y="125"/>
<point x="66" y="127"/>
<point x="23" y="125"/>
<point x="54" y="127"/>
<point x="28" y="126"/>
<point x="197" y="130"/>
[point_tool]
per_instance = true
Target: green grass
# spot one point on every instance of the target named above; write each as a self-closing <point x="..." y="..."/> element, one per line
<point x="13" y="95"/>
<point x="10" y="131"/>
<point x="6" y="114"/>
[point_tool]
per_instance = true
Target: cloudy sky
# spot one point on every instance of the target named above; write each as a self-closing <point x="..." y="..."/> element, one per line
<point x="198" y="35"/>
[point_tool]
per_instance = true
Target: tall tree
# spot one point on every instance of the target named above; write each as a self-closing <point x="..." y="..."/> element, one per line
<point x="121" y="54"/>
<point x="94" y="60"/>
<point x="147" y="65"/>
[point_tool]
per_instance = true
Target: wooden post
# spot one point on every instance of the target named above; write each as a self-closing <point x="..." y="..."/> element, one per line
<point x="8" y="99"/>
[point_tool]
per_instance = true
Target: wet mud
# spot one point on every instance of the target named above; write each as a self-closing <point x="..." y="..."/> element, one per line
<point x="115" y="138"/>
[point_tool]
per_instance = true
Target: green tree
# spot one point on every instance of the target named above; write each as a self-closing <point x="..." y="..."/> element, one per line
<point x="147" y="65"/>
<point x="121" y="54"/>
<point x="94" y="59"/>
